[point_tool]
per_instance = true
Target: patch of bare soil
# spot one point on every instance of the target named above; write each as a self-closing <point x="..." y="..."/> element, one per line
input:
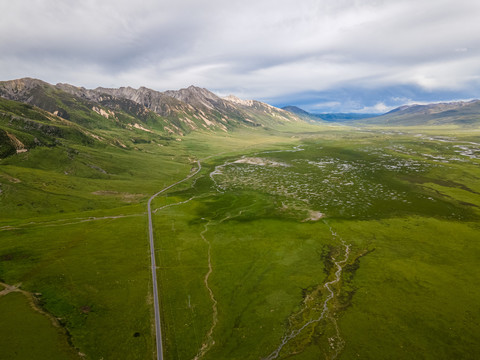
<point x="10" y="178"/>
<point x="105" y="192"/>
<point x="314" y="215"/>
<point x="260" y="162"/>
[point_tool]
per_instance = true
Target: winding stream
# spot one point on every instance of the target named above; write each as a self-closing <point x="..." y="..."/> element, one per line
<point x="325" y="311"/>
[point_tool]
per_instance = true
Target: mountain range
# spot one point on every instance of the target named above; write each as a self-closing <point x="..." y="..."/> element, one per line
<point x="33" y="112"/>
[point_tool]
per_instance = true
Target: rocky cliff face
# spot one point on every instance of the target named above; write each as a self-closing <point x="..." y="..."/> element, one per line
<point x="197" y="97"/>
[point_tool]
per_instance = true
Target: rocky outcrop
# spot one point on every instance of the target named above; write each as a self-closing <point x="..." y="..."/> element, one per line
<point x="20" y="88"/>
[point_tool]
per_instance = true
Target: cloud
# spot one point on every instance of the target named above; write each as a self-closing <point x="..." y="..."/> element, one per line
<point x="327" y="104"/>
<point x="265" y="49"/>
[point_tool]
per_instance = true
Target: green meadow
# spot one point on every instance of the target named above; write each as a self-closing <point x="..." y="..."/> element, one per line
<point x="307" y="243"/>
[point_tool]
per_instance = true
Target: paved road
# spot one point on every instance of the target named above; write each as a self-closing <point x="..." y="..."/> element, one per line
<point x="158" y="328"/>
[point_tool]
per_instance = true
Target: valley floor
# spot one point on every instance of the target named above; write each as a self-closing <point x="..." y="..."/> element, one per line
<point x="334" y="244"/>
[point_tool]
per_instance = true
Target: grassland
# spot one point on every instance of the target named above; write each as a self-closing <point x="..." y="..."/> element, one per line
<point x="251" y="250"/>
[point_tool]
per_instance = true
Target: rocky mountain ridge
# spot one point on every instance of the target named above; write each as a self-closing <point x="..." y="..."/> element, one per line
<point x="181" y="111"/>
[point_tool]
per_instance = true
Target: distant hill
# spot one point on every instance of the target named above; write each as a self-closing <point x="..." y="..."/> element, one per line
<point x="304" y="115"/>
<point x="330" y="117"/>
<point x="452" y="113"/>
<point x="296" y="110"/>
<point x="341" y="117"/>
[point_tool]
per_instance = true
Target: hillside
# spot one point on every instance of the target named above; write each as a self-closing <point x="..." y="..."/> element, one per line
<point x="452" y="113"/>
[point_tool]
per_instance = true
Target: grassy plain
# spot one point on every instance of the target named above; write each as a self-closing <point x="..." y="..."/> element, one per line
<point x="245" y="249"/>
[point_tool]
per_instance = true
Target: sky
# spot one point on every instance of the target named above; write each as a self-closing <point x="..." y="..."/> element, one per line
<point x="366" y="56"/>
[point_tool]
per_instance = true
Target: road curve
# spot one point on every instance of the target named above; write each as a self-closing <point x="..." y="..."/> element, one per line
<point x="158" y="328"/>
